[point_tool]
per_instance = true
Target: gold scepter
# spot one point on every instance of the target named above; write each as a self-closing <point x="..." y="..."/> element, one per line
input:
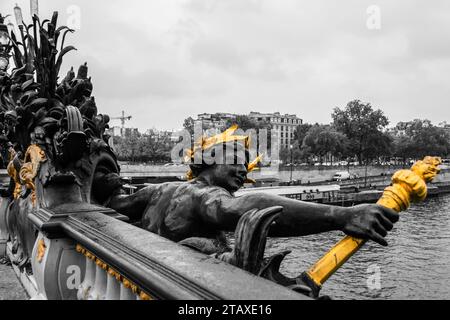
<point x="407" y="186"/>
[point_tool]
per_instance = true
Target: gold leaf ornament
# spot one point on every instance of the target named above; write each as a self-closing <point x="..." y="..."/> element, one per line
<point x="41" y="247"/>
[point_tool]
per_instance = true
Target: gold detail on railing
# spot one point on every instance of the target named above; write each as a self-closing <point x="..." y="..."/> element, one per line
<point x="407" y="186"/>
<point x="126" y="283"/>
<point x="27" y="172"/>
<point x="114" y="274"/>
<point x="129" y="285"/>
<point x="12" y="172"/>
<point x="101" y="264"/>
<point x="32" y="161"/>
<point x="41" y="250"/>
<point x="90" y="256"/>
<point x="145" y="296"/>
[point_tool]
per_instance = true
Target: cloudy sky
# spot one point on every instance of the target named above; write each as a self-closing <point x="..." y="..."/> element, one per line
<point x="164" y="60"/>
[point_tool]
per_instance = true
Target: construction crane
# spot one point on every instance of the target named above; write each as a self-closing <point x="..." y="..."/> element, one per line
<point x="122" y="119"/>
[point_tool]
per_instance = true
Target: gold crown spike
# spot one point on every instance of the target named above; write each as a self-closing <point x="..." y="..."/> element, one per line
<point x="254" y="164"/>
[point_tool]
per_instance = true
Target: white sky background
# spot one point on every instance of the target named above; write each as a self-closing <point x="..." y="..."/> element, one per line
<point x="164" y="60"/>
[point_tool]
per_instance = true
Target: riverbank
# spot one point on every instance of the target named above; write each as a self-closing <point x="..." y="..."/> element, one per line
<point x="303" y="174"/>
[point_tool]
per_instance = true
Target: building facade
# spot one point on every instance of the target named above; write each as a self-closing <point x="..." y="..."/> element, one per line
<point x="123" y="132"/>
<point x="284" y="126"/>
<point x="163" y="135"/>
<point x="214" y="120"/>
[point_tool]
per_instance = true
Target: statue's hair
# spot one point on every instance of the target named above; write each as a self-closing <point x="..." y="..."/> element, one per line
<point x="198" y="168"/>
<point x="210" y="144"/>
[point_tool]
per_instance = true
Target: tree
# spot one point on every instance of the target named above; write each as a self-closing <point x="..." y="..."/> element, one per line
<point x="189" y="125"/>
<point x="157" y="147"/>
<point x="420" y="138"/>
<point x="402" y="146"/>
<point x="128" y="148"/>
<point x="246" y="123"/>
<point x="323" y="140"/>
<point x="243" y="122"/>
<point x="297" y="154"/>
<point x="363" y="126"/>
<point x="379" y="144"/>
<point x="301" y="132"/>
<point x="151" y="147"/>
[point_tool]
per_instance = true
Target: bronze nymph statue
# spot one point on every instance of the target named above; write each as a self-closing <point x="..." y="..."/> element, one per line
<point x="196" y="213"/>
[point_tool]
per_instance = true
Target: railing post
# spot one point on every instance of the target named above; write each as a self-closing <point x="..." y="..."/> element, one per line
<point x="112" y="288"/>
<point x="99" y="289"/>
<point x="4" y="203"/>
<point x="89" y="278"/>
<point x="58" y="269"/>
<point x="126" y="293"/>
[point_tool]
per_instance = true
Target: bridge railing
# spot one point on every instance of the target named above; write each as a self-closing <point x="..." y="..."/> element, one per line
<point x="88" y="252"/>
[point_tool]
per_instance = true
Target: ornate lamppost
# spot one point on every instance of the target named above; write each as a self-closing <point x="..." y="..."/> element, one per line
<point x="4" y="44"/>
<point x="291" y="147"/>
<point x="34" y="8"/>
<point x="6" y="30"/>
<point x="18" y="15"/>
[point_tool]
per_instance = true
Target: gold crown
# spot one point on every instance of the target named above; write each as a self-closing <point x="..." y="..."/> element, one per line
<point x="228" y="135"/>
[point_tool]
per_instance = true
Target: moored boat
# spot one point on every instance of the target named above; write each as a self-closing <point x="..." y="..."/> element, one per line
<point x="304" y="193"/>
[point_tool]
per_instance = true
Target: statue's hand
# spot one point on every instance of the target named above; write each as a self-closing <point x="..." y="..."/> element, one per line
<point x="369" y="221"/>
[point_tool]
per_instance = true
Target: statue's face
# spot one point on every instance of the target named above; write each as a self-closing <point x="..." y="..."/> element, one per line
<point x="230" y="168"/>
<point x="231" y="173"/>
<point x="230" y="176"/>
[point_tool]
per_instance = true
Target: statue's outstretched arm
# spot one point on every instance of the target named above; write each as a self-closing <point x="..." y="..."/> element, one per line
<point x="301" y="218"/>
<point x="133" y="206"/>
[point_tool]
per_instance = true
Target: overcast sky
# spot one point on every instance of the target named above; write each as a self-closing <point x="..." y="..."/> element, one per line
<point x="164" y="60"/>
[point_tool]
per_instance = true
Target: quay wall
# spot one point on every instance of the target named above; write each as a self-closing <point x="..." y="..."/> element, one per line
<point x="305" y="174"/>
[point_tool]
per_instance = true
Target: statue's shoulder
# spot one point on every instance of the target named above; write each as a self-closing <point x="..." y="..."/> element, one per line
<point x="207" y="191"/>
<point x="177" y="188"/>
<point x="166" y="187"/>
<point x="197" y="191"/>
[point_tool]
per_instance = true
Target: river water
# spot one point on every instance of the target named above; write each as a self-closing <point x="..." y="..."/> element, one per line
<point x="415" y="265"/>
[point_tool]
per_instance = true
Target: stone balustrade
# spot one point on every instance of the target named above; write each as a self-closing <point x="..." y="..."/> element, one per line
<point x="101" y="282"/>
<point x="88" y="252"/>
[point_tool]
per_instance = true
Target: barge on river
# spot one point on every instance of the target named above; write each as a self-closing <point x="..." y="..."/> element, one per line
<point x="305" y="193"/>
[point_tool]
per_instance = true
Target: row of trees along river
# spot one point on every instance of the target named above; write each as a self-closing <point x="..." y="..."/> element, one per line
<point x="357" y="132"/>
